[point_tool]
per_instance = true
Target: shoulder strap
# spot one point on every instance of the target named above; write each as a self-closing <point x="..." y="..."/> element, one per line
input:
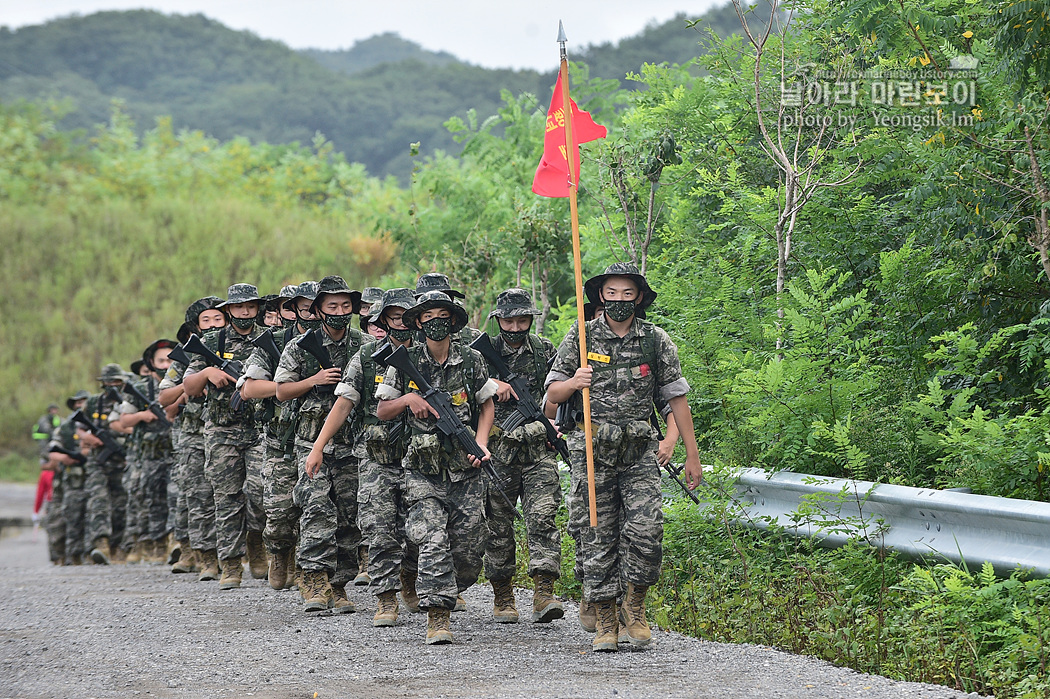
<point x="221" y="346"/>
<point x="539" y="362"/>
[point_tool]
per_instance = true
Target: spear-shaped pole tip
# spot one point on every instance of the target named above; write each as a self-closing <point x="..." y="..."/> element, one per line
<point x="561" y="33"/>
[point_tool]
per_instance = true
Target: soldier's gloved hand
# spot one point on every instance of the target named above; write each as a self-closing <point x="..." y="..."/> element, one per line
<point x="475" y="461"/>
<point x="326" y="377"/>
<point x="582" y="378"/>
<point x="504" y="392"/>
<point x="313" y="462"/>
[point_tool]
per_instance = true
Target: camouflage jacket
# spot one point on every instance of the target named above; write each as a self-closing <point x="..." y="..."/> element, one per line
<point x="152" y="440"/>
<point x="218" y="414"/>
<point x="190" y="420"/>
<point x="464" y="376"/>
<point x="101" y="409"/>
<point x="297" y="364"/>
<point x="261" y="366"/>
<point x="360" y="380"/>
<point x="528" y="361"/>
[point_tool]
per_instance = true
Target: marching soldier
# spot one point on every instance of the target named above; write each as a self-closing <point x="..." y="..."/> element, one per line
<point x="435" y="281"/>
<point x="445" y="491"/>
<point x="632" y="363"/>
<point x="107" y="500"/>
<point x="69" y="476"/>
<point x="326" y="494"/>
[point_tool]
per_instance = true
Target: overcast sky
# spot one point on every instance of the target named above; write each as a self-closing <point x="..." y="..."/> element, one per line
<point x="493" y="33"/>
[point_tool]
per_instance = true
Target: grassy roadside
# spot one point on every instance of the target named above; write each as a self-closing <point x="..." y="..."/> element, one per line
<point x="17" y="468"/>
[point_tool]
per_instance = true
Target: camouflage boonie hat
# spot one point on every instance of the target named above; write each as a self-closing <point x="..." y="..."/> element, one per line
<point x="435" y="281"/>
<point x="394" y="298"/>
<point x="371" y="294"/>
<point x="334" y="284"/>
<point x="594" y="285"/>
<point x="306" y="290"/>
<point x="240" y="293"/>
<point x="513" y="303"/>
<point x="287" y="291"/>
<point x="200" y="306"/>
<point x="79" y="395"/>
<point x="112" y="372"/>
<point x="436" y="299"/>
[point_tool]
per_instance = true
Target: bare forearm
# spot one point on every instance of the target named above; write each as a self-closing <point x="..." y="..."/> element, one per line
<point x="194" y="384"/>
<point x="334" y="422"/>
<point x="560" y="391"/>
<point x="170" y="395"/>
<point x="390" y="409"/>
<point x="486" y="416"/>
<point x="683" y="423"/>
<point x="258" y="388"/>
<point x="294" y="389"/>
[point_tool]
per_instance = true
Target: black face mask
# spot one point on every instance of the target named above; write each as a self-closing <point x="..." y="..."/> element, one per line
<point x="243" y="323"/>
<point x="619" y="311"/>
<point x="401" y="334"/>
<point x="513" y="337"/>
<point x="338" y="322"/>
<point x="437" y="329"/>
<point x="312" y="324"/>
<point x="286" y="322"/>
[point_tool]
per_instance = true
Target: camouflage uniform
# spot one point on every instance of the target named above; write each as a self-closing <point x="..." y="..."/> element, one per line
<point x="279" y="472"/>
<point x="526" y="469"/>
<point x="228" y="438"/>
<point x="155" y="458"/>
<point x="65" y="514"/>
<point x="629" y="373"/>
<point x="328" y="531"/>
<point x="194" y="487"/>
<point x="107" y="500"/>
<point x="135" y="517"/>
<point x="381" y="490"/>
<point x="445" y="494"/>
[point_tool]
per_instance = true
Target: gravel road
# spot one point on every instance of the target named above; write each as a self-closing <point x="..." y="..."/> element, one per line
<point x="126" y="631"/>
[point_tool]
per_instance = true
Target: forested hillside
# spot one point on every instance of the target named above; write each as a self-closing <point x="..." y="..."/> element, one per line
<point x="371" y="101"/>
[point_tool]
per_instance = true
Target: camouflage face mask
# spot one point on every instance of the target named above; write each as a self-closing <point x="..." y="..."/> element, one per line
<point x="401" y="334"/>
<point x="287" y="322"/>
<point x="312" y="324"/>
<point x="513" y="337"/>
<point x="338" y="322"/>
<point x="437" y="329"/>
<point x="243" y="323"/>
<point x="619" y="311"/>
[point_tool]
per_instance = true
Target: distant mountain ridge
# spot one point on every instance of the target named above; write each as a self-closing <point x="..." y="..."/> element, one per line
<point x="371" y="100"/>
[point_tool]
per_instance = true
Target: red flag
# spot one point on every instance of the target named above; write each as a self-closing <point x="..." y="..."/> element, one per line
<point x="552" y="175"/>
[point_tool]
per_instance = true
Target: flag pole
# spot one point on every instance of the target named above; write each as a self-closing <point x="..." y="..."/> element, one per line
<point x="578" y="269"/>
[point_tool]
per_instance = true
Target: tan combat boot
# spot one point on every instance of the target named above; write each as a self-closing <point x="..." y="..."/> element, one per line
<point x="187" y="562"/>
<point x="77" y="560"/>
<point x="408" y="591"/>
<point x="317" y="592"/>
<point x="461" y="604"/>
<point x="545" y="606"/>
<point x="386" y="615"/>
<point x="588" y="616"/>
<point x="278" y="572"/>
<point x="100" y="552"/>
<point x="158" y="551"/>
<point x="607" y="630"/>
<point x="232" y="570"/>
<point x="294" y="578"/>
<point x="438" y="623"/>
<point x="209" y="565"/>
<point x="135" y="554"/>
<point x="633" y="616"/>
<point x="257" y="563"/>
<point x="363" y="578"/>
<point x="341" y="604"/>
<point x="503" y="608"/>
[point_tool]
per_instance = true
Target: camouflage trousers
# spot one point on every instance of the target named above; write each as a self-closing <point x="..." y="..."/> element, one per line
<point x="539" y="487"/>
<point x="226" y="467"/>
<point x="255" y="514"/>
<point x="328" y="532"/>
<point x="74" y="516"/>
<point x="200" y="498"/>
<point x="156" y="473"/>
<point x="279" y="476"/>
<point x="446" y="521"/>
<point x="136" y="518"/>
<point x="627" y="544"/>
<point x="54" y="522"/>
<point x="178" y="506"/>
<point x="381" y="513"/>
<point x="107" y="502"/>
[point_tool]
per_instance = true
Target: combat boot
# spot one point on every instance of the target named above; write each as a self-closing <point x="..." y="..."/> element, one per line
<point x="100" y="552"/>
<point x="503" y="608"/>
<point x="408" y="591"/>
<point x="608" y="627"/>
<point x="545" y="606"/>
<point x="386" y="615"/>
<point x="633" y="616"/>
<point x="294" y="579"/>
<point x="341" y="604"/>
<point x="278" y="572"/>
<point x="317" y="592"/>
<point x="232" y="570"/>
<point x="588" y="616"/>
<point x="257" y="563"/>
<point x="76" y="560"/>
<point x="363" y="578"/>
<point x="209" y="565"/>
<point x="158" y="551"/>
<point x="186" y="562"/>
<point x="135" y="554"/>
<point x="174" y="549"/>
<point x="118" y="555"/>
<point x="461" y="604"/>
<point x="438" y="623"/>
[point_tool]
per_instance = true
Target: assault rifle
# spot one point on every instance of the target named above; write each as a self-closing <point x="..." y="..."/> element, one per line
<point x="110" y="446"/>
<point x="144" y="403"/>
<point x="76" y="456"/>
<point x="448" y="424"/>
<point x="267" y="344"/>
<point x="230" y="367"/>
<point x="313" y="343"/>
<point x="526" y="409"/>
<point x="178" y="354"/>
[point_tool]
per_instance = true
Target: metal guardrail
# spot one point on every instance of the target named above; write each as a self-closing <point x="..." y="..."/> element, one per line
<point x="917" y="522"/>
